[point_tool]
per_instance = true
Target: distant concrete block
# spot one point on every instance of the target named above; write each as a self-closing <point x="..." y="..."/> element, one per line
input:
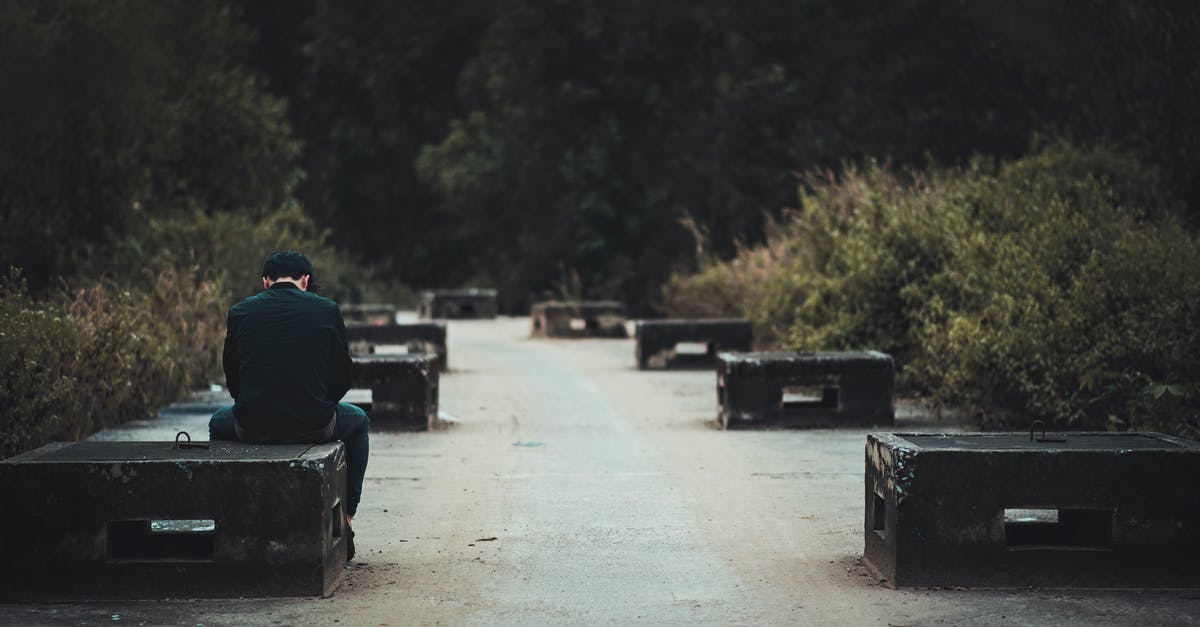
<point x="664" y="343"/>
<point x="416" y="337"/>
<point x="147" y="520"/>
<point x="404" y="389"/>
<point x="850" y="389"/>
<point x="452" y="304"/>
<point x="1008" y="509"/>
<point x="604" y="318"/>
<point x="379" y="314"/>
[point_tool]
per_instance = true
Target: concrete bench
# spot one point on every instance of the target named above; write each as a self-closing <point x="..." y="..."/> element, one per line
<point x="852" y="389"/>
<point x="404" y="389"/>
<point x="148" y="520"/>
<point x="416" y="337"/>
<point x="465" y="303"/>
<point x="604" y="318"/>
<point x="1008" y="509"/>
<point x="369" y="313"/>
<point x="662" y="343"/>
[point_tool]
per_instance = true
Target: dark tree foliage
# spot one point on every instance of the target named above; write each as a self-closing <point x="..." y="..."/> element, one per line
<point x="592" y="128"/>
<point x="518" y="143"/>
<point x="381" y="84"/>
<point x="1126" y="73"/>
<point x="112" y="111"/>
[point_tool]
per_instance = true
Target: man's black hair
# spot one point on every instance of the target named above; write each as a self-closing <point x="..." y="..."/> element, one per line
<point x="287" y="263"/>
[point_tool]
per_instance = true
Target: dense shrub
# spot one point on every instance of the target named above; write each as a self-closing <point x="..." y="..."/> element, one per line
<point x="1059" y="287"/>
<point x="1075" y="305"/>
<point x="98" y="357"/>
<point x="229" y="249"/>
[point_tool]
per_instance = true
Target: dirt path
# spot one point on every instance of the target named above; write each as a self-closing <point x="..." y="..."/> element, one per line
<point x="574" y="489"/>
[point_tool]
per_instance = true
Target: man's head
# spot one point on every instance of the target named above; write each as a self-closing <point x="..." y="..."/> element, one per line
<point x="287" y="265"/>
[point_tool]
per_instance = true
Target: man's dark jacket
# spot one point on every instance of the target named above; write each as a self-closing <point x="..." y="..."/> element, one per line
<point x="287" y="363"/>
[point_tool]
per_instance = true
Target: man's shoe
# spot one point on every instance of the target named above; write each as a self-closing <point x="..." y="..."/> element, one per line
<point x="349" y="544"/>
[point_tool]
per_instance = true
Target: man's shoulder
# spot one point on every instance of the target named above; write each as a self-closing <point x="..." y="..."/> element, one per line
<point x="246" y="303"/>
<point x="271" y="299"/>
<point x="319" y="302"/>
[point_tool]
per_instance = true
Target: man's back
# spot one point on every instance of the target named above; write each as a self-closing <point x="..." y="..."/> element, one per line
<point x="286" y="360"/>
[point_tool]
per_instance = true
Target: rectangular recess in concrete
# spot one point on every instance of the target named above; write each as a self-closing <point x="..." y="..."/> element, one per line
<point x="1091" y="509"/>
<point x="878" y="511"/>
<point x="692" y="348"/>
<point x="798" y="397"/>
<point x="147" y="520"/>
<point x="852" y="389"/>
<point x="165" y="540"/>
<point x="1058" y="529"/>
<point x="689" y="342"/>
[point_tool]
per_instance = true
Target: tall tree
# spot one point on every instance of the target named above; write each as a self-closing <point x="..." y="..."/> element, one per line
<point x="380" y="85"/>
<point x="595" y="126"/>
<point x="117" y="109"/>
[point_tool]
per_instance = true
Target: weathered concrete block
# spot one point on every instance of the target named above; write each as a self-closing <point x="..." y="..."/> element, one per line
<point x="851" y="389"/>
<point x="984" y="509"/>
<point x="416" y="337"/>
<point x="603" y="318"/>
<point x="404" y="389"/>
<point x="369" y="313"/>
<point x="147" y="520"/>
<point x="658" y="341"/>
<point x="466" y="303"/>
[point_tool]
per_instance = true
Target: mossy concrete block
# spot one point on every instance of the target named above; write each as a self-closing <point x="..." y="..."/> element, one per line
<point x="824" y="389"/>
<point x="601" y="318"/>
<point x="404" y="389"/>
<point x="457" y="304"/>
<point x="149" y="520"/>
<point x="658" y="341"/>
<point x="1021" y="509"/>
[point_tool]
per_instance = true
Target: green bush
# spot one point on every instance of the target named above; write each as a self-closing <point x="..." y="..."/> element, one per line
<point x="97" y="358"/>
<point x="1071" y="301"/>
<point x="1058" y="287"/>
<point x="37" y="349"/>
<point x="229" y="249"/>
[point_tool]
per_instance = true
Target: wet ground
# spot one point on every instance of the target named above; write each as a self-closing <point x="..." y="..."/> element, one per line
<point x="572" y="488"/>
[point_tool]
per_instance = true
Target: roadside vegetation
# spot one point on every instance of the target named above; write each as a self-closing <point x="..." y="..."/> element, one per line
<point x="152" y="153"/>
<point x="1059" y="287"/>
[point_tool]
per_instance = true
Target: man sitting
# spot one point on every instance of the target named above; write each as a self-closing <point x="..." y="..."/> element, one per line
<point x="287" y="366"/>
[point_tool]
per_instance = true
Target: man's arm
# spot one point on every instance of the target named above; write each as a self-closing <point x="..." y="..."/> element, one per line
<point x="230" y="359"/>
<point x="339" y="360"/>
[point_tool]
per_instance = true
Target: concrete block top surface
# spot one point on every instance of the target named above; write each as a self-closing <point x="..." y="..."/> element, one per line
<point x="684" y="322"/>
<point x="416" y="330"/>
<point x="415" y="359"/>
<point x="860" y="362"/>
<point x="702" y="327"/>
<point x="369" y="308"/>
<point x="104" y="451"/>
<point x="471" y="292"/>
<point x="587" y="306"/>
<point x="1022" y="441"/>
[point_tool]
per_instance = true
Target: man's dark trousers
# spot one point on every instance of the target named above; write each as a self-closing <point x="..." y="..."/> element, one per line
<point x="352" y="428"/>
